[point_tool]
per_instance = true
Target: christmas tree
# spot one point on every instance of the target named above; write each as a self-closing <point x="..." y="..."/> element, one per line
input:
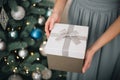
<point x="22" y="39"/>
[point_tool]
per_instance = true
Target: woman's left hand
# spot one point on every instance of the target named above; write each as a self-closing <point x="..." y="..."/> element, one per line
<point x="88" y="60"/>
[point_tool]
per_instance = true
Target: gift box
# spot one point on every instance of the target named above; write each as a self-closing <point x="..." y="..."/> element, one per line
<point x="66" y="46"/>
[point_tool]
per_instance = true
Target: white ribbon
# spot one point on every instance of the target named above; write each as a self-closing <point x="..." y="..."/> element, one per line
<point x="74" y="36"/>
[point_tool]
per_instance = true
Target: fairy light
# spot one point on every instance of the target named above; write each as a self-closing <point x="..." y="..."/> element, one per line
<point x="44" y="42"/>
<point x="17" y="57"/>
<point x="32" y="53"/>
<point x="19" y="28"/>
<point x="60" y="75"/>
<point x="7" y="63"/>
<point x="34" y="5"/>
<point x="38" y="59"/>
<point x="27" y="71"/>
<point x="12" y="60"/>
<point x="15" y="69"/>
<point x="8" y="29"/>
<point x="27" y="23"/>
<point x="41" y="48"/>
<point x="37" y="68"/>
<point x="15" y="51"/>
<point x="5" y="59"/>
<point x="23" y="57"/>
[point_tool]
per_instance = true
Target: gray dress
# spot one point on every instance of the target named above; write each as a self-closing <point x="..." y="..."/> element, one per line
<point x="98" y="15"/>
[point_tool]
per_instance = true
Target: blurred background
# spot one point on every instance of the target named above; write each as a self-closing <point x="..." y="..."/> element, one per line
<point x="22" y="39"/>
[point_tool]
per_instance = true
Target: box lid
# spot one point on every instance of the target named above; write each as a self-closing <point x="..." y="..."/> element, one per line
<point x="67" y="40"/>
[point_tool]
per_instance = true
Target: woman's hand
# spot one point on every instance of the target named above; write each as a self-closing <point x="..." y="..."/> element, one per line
<point x="54" y="18"/>
<point x="88" y="60"/>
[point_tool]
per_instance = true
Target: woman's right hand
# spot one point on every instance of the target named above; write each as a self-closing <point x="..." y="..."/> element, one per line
<point x="54" y="18"/>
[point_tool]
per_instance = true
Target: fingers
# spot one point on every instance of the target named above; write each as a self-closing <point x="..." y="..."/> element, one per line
<point x="47" y="28"/>
<point x="86" y="66"/>
<point x="51" y="24"/>
<point x="88" y="60"/>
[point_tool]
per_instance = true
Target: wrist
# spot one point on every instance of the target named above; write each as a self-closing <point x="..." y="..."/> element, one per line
<point x="57" y="10"/>
<point x="92" y="50"/>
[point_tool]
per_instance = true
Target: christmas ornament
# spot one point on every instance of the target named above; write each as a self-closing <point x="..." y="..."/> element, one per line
<point x="2" y="45"/>
<point x="19" y="14"/>
<point x="3" y="18"/>
<point x="41" y="20"/>
<point x="23" y="53"/>
<point x="15" y="77"/>
<point x="41" y="49"/>
<point x="36" y="75"/>
<point x="13" y="34"/>
<point x="36" y="33"/>
<point x="46" y="74"/>
<point x="49" y="12"/>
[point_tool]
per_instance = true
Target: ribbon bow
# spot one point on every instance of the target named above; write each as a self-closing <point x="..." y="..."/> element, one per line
<point x="71" y="35"/>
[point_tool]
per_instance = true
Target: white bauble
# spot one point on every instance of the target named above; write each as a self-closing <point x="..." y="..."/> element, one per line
<point x="2" y="45"/>
<point x="46" y="74"/>
<point x="19" y="14"/>
<point x="36" y="75"/>
<point x="49" y="12"/>
<point x="41" y="49"/>
<point x="23" y="53"/>
<point x="15" y="77"/>
<point x="41" y="20"/>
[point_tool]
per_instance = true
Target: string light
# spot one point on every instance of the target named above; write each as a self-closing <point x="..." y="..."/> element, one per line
<point x="60" y="75"/>
<point x="17" y="57"/>
<point x="15" y="69"/>
<point x="8" y="29"/>
<point x="12" y="60"/>
<point x="37" y="68"/>
<point x="19" y="28"/>
<point x="5" y="59"/>
<point x="23" y="57"/>
<point x="41" y="49"/>
<point x="34" y="5"/>
<point x="44" y="42"/>
<point x="7" y="63"/>
<point x="32" y="53"/>
<point x="15" y="51"/>
<point x="38" y="59"/>
<point x="27" y="23"/>
<point x="27" y="71"/>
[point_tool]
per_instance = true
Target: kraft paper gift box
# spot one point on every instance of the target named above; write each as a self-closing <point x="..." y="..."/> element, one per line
<point x="66" y="47"/>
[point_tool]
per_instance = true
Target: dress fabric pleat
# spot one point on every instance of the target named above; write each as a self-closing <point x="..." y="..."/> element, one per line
<point x="98" y="15"/>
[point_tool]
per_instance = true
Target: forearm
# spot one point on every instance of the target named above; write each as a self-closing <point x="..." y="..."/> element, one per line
<point x="59" y="6"/>
<point x="110" y="34"/>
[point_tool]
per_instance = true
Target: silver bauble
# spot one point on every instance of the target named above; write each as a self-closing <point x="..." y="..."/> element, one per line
<point x="41" y="49"/>
<point x="23" y="53"/>
<point x="46" y="74"/>
<point x="36" y="75"/>
<point x="15" y="77"/>
<point x="2" y="45"/>
<point x="49" y="12"/>
<point x="19" y="14"/>
<point x="13" y="34"/>
<point x="41" y="20"/>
